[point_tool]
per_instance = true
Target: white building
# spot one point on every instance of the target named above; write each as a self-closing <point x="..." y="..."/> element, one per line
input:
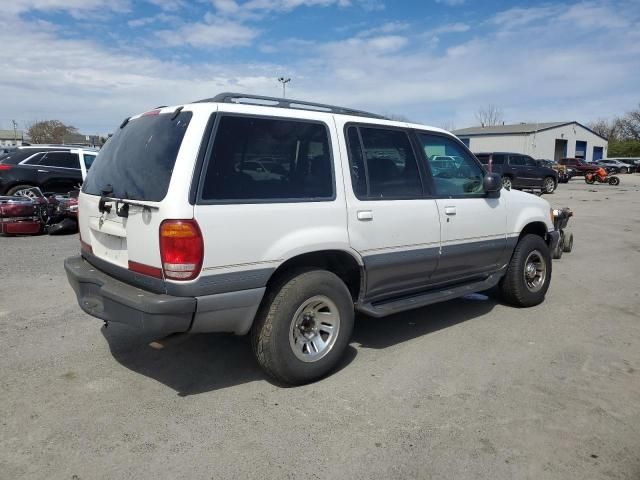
<point x="552" y="140"/>
<point x="10" y="138"/>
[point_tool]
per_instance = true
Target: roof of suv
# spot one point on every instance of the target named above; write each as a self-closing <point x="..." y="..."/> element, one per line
<point x="260" y="100"/>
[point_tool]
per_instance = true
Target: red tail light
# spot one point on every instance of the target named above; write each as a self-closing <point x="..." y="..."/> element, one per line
<point x="4" y="166"/>
<point x="181" y="249"/>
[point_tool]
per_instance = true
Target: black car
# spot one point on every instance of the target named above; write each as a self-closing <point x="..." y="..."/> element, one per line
<point x="57" y="169"/>
<point x="520" y="171"/>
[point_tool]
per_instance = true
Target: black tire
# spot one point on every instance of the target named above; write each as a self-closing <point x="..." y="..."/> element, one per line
<point x="568" y="242"/>
<point x="507" y="182"/>
<point x="557" y="253"/>
<point x="17" y="188"/>
<point x="270" y="334"/>
<point x="614" y="181"/>
<point x="549" y="185"/>
<point x="624" y="170"/>
<point x="513" y="286"/>
<point x="589" y="180"/>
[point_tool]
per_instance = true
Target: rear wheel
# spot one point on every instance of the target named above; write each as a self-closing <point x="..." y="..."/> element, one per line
<point x="624" y="170"/>
<point x="303" y="327"/>
<point x="507" y="183"/>
<point x="548" y="185"/>
<point x="528" y="275"/>
<point x="589" y="179"/>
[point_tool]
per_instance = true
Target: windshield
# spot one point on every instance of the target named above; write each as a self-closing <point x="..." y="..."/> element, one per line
<point x="138" y="160"/>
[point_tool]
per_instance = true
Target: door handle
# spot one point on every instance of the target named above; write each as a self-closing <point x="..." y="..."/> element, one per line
<point x="449" y="210"/>
<point x="43" y="171"/>
<point x="365" y="215"/>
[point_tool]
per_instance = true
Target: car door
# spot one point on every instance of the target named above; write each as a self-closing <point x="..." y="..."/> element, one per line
<point x="59" y="172"/>
<point x="519" y="171"/>
<point x="473" y="223"/>
<point x="393" y="223"/>
<point x="533" y="172"/>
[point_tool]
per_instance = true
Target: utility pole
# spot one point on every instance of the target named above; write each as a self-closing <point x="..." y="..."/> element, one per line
<point x="284" y="82"/>
<point x="15" y="132"/>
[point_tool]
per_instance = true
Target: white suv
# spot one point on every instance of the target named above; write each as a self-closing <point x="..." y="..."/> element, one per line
<point x="179" y="232"/>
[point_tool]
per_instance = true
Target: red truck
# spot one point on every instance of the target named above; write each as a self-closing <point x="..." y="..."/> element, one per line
<point x="578" y="165"/>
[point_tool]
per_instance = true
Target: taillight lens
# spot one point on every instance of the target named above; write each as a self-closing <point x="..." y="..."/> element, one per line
<point x="181" y="249"/>
<point x="4" y="166"/>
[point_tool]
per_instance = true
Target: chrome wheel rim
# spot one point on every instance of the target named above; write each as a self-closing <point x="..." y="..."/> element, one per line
<point x="314" y="328"/>
<point x="549" y="185"/>
<point x="535" y="271"/>
<point x="506" y="183"/>
<point x="26" y="192"/>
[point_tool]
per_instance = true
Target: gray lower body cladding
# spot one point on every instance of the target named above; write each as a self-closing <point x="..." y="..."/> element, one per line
<point x="103" y="296"/>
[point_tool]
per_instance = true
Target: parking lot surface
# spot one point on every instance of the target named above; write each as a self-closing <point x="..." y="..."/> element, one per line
<point x="465" y="389"/>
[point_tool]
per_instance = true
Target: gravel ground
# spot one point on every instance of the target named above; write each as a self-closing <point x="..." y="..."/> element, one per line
<point x="465" y="389"/>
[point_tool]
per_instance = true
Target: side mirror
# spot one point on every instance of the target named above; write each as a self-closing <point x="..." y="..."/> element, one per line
<point x="492" y="184"/>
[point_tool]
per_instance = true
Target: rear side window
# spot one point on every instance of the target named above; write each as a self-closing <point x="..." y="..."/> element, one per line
<point x="35" y="160"/>
<point x="138" y="160"/>
<point x="383" y="165"/>
<point x="265" y="159"/>
<point x="61" y="159"/>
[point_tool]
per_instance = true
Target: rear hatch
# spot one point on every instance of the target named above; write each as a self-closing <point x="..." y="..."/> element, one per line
<point x="126" y="194"/>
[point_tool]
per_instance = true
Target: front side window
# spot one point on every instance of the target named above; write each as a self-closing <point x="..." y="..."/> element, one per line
<point x="453" y="170"/>
<point x="61" y="159"/>
<point x="516" y="161"/>
<point x="530" y="162"/>
<point x="269" y="160"/>
<point x="383" y="165"/>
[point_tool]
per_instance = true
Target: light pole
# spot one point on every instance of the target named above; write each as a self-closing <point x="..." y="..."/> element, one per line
<point x="284" y="82"/>
<point x="15" y="132"/>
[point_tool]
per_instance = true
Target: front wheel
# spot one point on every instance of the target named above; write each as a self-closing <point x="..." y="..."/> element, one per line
<point x="507" y="183"/>
<point x="614" y="181"/>
<point x="528" y="275"/>
<point x="303" y="327"/>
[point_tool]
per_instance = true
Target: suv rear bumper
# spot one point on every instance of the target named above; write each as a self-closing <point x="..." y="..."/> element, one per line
<point x="112" y="300"/>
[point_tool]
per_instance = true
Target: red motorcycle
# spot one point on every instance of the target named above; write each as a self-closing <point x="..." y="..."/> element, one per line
<point x="33" y="213"/>
<point x="601" y="176"/>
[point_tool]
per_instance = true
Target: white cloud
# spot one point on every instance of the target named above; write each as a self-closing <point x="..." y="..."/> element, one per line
<point x="451" y="3"/>
<point x="215" y="34"/>
<point x="558" y="63"/>
<point x="20" y="6"/>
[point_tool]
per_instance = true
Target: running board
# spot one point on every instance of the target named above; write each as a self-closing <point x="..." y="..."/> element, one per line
<point x="389" y="307"/>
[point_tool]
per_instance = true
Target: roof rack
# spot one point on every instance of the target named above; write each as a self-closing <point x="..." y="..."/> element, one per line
<point x="244" y="98"/>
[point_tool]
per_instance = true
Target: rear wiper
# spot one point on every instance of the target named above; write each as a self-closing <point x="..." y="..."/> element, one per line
<point x="124" y="122"/>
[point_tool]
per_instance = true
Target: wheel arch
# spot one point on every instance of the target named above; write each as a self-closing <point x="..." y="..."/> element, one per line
<point x="345" y="264"/>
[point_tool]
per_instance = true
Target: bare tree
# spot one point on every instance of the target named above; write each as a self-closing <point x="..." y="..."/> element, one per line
<point x="489" y="115"/>
<point x="630" y="125"/>
<point x="609" y="129"/>
<point x="49" y="131"/>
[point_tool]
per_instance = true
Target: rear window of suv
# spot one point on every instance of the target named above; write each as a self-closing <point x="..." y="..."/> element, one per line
<point x="138" y="160"/>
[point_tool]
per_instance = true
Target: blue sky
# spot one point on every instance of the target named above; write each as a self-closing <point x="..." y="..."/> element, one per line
<point x="91" y="63"/>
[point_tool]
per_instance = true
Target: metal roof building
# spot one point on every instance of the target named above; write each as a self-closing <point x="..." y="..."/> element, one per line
<point x="549" y="140"/>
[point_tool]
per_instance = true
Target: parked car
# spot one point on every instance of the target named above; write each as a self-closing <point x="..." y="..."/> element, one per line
<point x="520" y="171"/>
<point x="52" y="168"/>
<point x="615" y="166"/>
<point x="633" y="164"/>
<point x="578" y="166"/>
<point x="175" y="238"/>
